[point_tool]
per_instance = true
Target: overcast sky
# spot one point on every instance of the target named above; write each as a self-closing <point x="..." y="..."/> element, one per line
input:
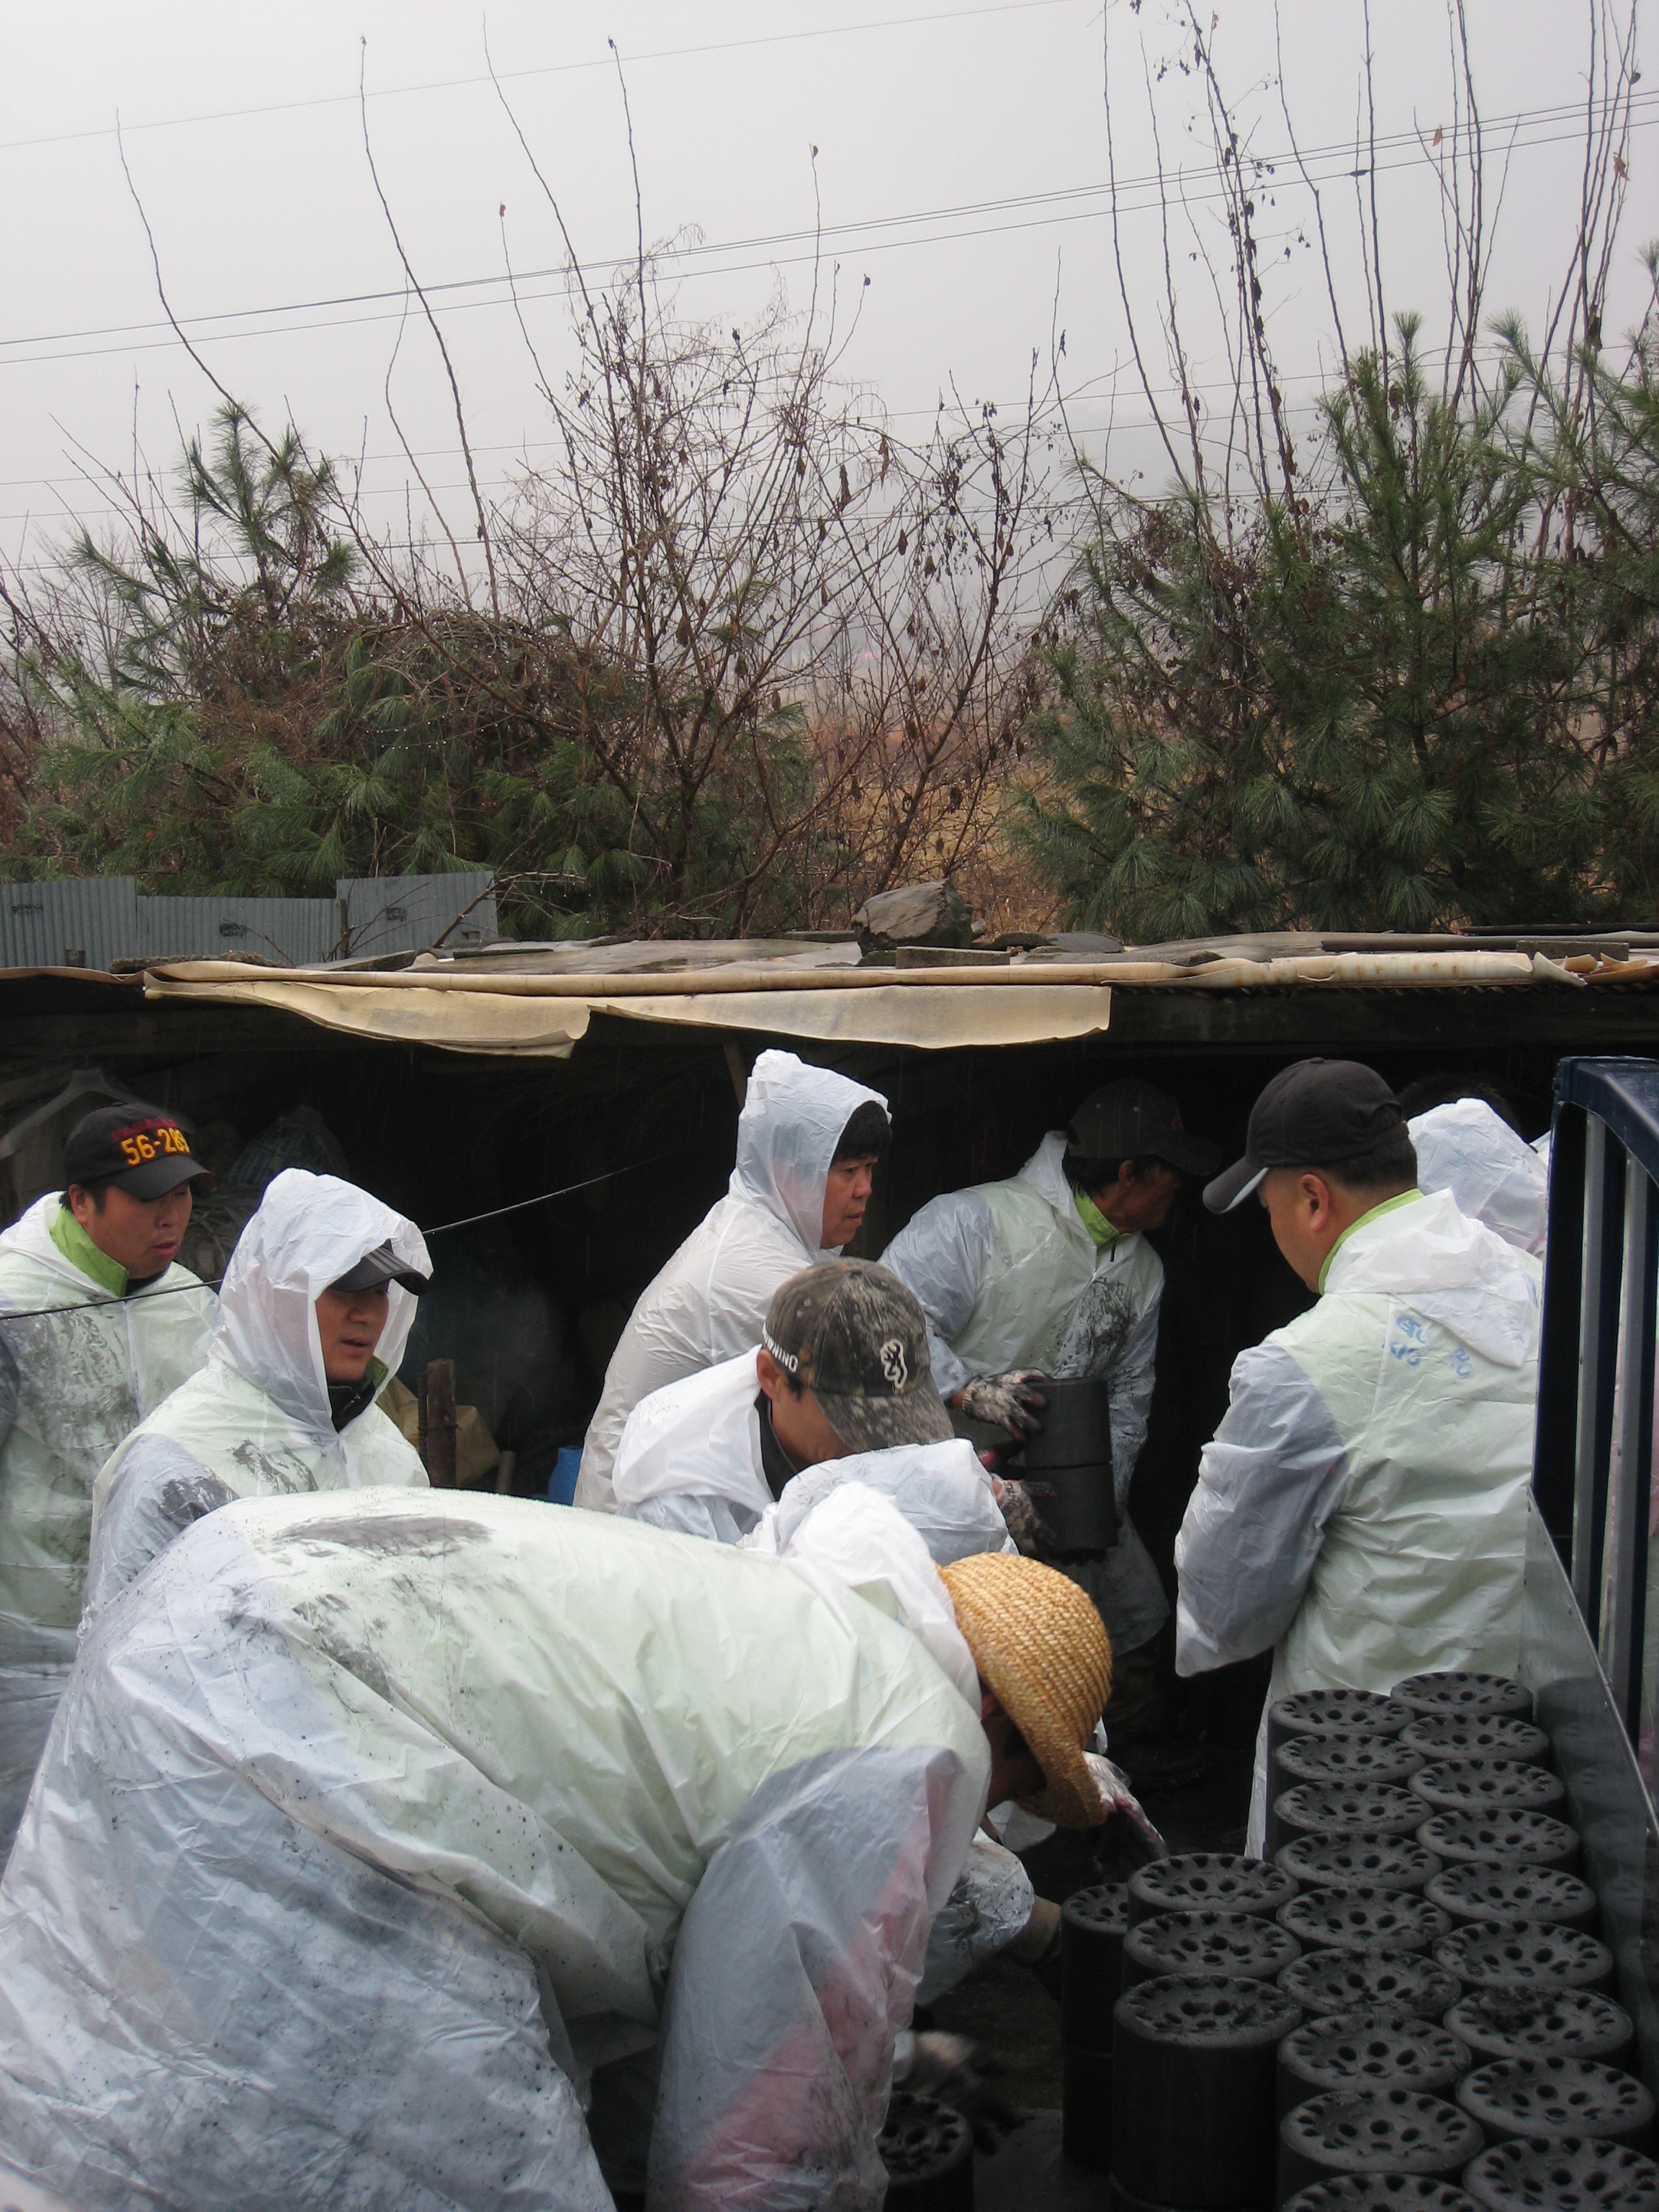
<point x="960" y="162"/>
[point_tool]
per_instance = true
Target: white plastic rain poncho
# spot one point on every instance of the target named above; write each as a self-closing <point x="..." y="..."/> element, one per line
<point x="81" y="1364"/>
<point x="863" y="1536"/>
<point x="1363" y="1506"/>
<point x="256" y="1421"/>
<point x="1009" y="1277"/>
<point x="1495" y="1177"/>
<point x="690" y="1459"/>
<point x="418" y="1809"/>
<point x="708" y="1302"/>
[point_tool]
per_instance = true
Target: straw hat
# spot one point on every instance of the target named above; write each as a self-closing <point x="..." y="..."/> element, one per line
<point x="1041" y="1648"/>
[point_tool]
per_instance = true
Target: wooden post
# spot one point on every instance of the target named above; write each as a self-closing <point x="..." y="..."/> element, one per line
<point x="437" y="1402"/>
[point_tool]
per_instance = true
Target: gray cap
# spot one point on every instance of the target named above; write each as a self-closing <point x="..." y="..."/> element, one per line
<point x="1129" y="1121"/>
<point x="850" y="1333"/>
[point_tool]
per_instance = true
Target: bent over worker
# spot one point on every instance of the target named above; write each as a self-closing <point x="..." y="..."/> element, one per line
<point x="429" y="1813"/>
<point x="842" y="1377"/>
<point x="1362" y="1509"/>
<point x="839" y="1397"/>
<point x="808" y="1142"/>
<point x="97" y="1326"/>
<point x="315" y="1310"/>
<point x="1050" y="1271"/>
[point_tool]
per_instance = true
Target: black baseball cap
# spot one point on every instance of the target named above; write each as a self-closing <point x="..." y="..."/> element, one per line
<point x="1317" y="1114"/>
<point x="1131" y="1120"/>
<point x="380" y="1266"/>
<point x="140" y="1149"/>
<point x="850" y="1333"/>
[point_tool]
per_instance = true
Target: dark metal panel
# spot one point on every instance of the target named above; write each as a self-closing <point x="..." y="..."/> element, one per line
<point x="1556" y="1459"/>
<point x="1603" y="1019"/>
<point x="1624" y="1094"/>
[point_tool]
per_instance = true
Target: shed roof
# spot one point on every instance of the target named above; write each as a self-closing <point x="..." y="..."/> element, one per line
<point x="539" y="1001"/>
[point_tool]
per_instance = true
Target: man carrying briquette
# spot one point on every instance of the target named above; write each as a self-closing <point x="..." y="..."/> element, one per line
<point x="1050" y="1271"/>
<point x="765" y="1450"/>
<point x="841" y="1379"/>
<point x="1361" y="1510"/>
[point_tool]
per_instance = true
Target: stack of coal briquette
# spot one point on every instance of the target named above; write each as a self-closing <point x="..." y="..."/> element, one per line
<point x="1408" y="2004"/>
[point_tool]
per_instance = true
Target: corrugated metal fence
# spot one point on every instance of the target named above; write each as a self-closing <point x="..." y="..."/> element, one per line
<point x="405" y="914"/>
<point x="69" y="925"/>
<point x="95" y="922"/>
<point x="300" y="931"/>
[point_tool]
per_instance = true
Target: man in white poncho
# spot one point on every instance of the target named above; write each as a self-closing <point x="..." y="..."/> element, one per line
<point x="103" y="1324"/>
<point x="315" y="1310"/>
<point x="429" y="1813"/>
<point x="840" y="1381"/>
<point x="1361" y="1510"/>
<point x="1466" y="1146"/>
<point x="808" y="1141"/>
<point x="1050" y="1273"/>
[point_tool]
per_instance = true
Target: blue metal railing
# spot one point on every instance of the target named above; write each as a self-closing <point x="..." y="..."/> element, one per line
<point x="1593" y="1468"/>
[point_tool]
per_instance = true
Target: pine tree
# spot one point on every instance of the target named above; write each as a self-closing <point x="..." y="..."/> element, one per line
<point x="1359" y="708"/>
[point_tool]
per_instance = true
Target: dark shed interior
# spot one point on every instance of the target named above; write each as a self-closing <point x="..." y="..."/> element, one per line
<point x="553" y="1189"/>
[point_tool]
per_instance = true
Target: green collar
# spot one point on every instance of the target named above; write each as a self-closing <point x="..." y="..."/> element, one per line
<point x="78" y="1248"/>
<point x="1096" y="1223"/>
<point x="1389" y="1205"/>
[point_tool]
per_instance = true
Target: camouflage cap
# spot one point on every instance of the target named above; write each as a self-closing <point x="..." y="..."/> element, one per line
<point x="849" y="1331"/>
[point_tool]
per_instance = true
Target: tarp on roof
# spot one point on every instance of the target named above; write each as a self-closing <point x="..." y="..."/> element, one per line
<point x="548" y="1015"/>
<point x="524" y="1005"/>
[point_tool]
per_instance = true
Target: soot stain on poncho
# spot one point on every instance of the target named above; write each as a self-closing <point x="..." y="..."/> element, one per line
<point x="1094" y="1336"/>
<point x="427" y="1536"/>
<point x="187" y="1498"/>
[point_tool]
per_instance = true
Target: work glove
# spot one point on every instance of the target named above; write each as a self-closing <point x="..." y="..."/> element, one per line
<point x="1011" y="1401"/>
<point x="1030" y="1531"/>
<point x="956" y="2070"/>
<point x="1119" y="1801"/>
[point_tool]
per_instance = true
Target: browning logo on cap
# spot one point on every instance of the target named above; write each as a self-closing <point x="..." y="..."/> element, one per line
<point x="789" y="1361"/>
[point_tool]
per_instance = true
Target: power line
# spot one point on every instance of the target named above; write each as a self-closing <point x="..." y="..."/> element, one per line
<point x="776" y="261"/>
<point x="853" y="233"/>
<point x="547" y="69"/>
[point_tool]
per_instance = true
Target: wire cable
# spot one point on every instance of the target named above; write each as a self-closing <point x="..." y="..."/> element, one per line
<point x="545" y="69"/>
<point x="851" y="234"/>
<point x="466" y="1221"/>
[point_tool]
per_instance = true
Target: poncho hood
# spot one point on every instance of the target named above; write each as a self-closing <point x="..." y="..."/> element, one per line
<point x="790" y="1123"/>
<point x="1432" y="1258"/>
<point x="310" y="1229"/>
